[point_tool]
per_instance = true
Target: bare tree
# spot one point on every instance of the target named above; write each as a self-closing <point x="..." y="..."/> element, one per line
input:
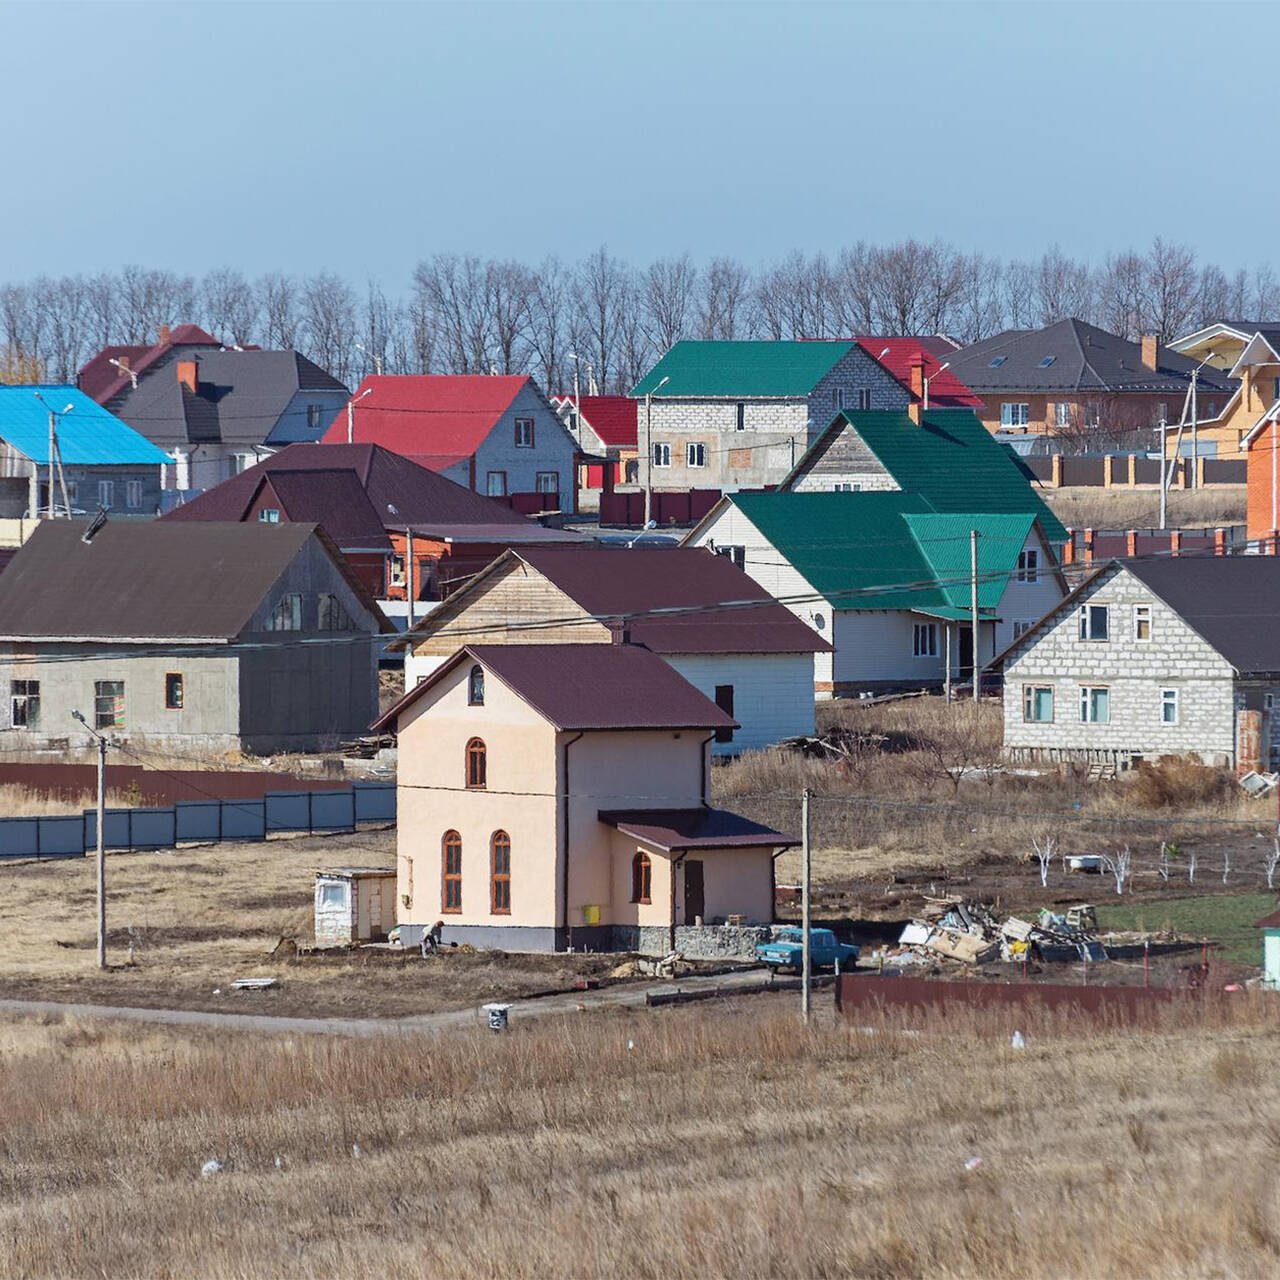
<point x="509" y="289"/>
<point x="1172" y="280"/>
<point x="1272" y="862"/>
<point x="67" y="308"/>
<point x="1118" y="867"/>
<point x="1226" y="865"/>
<point x="722" y="300"/>
<point x="667" y="301"/>
<point x="328" y="308"/>
<point x="229" y="308"/>
<point x="279" y="307"/>
<point x="1121" y="290"/>
<point x="603" y="314"/>
<point x="549" y="318"/>
<point x="1064" y="289"/>
<point x="149" y="299"/>
<point x="1045" y="848"/>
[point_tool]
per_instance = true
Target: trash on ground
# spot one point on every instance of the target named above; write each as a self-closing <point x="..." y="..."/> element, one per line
<point x="210" y="1167"/>
<point x="1258" y="784"/>
<point x="253" y="984"/>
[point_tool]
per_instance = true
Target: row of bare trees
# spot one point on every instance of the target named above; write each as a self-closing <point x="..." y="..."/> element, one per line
<point x="468" y="314"/>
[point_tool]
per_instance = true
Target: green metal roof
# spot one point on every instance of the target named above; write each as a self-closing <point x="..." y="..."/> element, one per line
<point x="743" y="370"/>
<point x="951" y="459"/>
<point x="889" y="550"/>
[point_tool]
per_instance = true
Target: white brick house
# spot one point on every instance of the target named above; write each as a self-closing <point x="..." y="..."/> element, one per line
<point x="1152" y="658"/>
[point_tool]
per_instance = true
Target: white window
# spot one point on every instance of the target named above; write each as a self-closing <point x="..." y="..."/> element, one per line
<point x="1142" y="622"/>
<point x="332" y="895"/>
<point x="132" y="494"/>
<point x="396" y="571"/>
<point x="108" y="704"/>
<point x="1095" y="704"/>
<point x="864" y="399"/>
<point x="496" y="484"/>
<point x="24" y="704"/>
<point x="1168" y="706"/>
<point x="661" y="455"/>
<point x="1037" y="703"/>
<point x="547" y="482"/>
<point x="524" y="433"/>
<point x="1029" y="565"/>
<point x="1021" y="627"/>
<point x="1095" y="622"/>
<point x="269" y="515"/>
<point x="315" y="414"/>
<point x="106" y="493"/>
<point x="1062" y="413"/>
<point x="1014" y="415"/>
<point x="924" y="640"/>
<point x="695" y="454"/>
<point x="846" y="486"/>
<point x="287" y="615"/>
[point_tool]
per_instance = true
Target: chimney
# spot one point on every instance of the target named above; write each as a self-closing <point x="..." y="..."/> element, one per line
<point x="916" y="383"/>
<point x="1150" y="352"/>
<point x="163" y="335"/>
<point x="187" y="374"/>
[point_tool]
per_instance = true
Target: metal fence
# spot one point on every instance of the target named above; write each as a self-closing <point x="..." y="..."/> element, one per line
<point x="188" y="821"/>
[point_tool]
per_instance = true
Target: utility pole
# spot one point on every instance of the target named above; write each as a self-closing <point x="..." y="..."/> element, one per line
<point x="973" y="604"/>
<point x="1195" y="429"/>
<point x="805" y="907"/>
<point x="351" y="414"/>
<point x="648" y="448"/>
<point x="55" y="460"/>
<point x="946" y="658"/>
<point x="409" y="568"/>
<point x="101" y="840"/>
<point x="1164" y="474"/>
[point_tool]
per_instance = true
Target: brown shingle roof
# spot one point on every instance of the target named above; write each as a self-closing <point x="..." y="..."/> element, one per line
<point x="676" y="829"/>
<point x="585" y="686"/>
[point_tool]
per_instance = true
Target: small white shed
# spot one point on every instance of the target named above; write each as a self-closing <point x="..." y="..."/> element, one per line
<point x="1270" y="926"/>
<point x="354" y="904"/>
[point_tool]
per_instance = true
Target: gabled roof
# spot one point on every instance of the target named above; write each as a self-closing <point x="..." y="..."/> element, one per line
<point x="946" y="391"/>
<point x="584" y="686"/>
<point x="612" y="418"/>
<point x="742" y="370"/>
<point x="395" y="490"/>
<point x="675" y="829"/>
<point x="102" y="380"/>
<point x="1081" y="358"/>
<point x="949" y="458"/>
<point x="888" y="549"/>
<point x="87" y="436"/>
<point x="334" y="499"/>
<point x="239" y="399"/>
<point x="437" y="419"/>
<point x="679" y="593"/>
<point x="1262" y="347"/>
<point x="148" y="581"/>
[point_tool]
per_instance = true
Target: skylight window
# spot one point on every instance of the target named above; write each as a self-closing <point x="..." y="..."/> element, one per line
<point x="1047" y="361"/>
<point x="998" y="361"/>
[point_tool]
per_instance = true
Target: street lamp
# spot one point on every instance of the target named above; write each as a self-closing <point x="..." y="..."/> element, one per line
<point x="55" y="457"/>
<point x="377" y="359"/>
<point x="124" y="368"/>
<point x="929" y="379"/>
<point x="648" y="447"/>
<point x="351" y="414"/>
<point x="101" y="844"/>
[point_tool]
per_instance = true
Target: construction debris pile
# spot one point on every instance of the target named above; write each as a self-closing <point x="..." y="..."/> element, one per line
<point x="967" y="931"/>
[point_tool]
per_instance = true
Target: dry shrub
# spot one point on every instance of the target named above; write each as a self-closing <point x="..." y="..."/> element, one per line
<point x="1098" y="508"/>
<point x="1179" y="782"/>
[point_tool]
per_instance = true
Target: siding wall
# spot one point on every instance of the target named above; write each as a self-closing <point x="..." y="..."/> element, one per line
<point x="553" y="449"/>
<point x="1135" y="672"/>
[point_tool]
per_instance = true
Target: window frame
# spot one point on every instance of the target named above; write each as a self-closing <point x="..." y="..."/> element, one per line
<point x="476" y="765"/>
<point x="490" y="477"/>
<point x="1142" y="613"/>
<point x="268" y="515"/>
<point x="30" y="704"/>
<point x="1015" y="413"/>
<point x="326" y="887"/>
<point x="118" y="718"/>
<point x="107" y="494"/>
<point x="499" y="880"/>
<point x="450" y="850"/>
<point x="924" y="639"/>
<point x="695" y="449"/>
<point x="520" y="433"/>
<point x="173" y="682"/>
<point x="1062" y="413"/>
<point x="132" y="495"/>
<point x="1087" y="706"/>
<point x="315" y="417"/>
<point x="1021" y="626"/>
<point x="864" y="399"/>
<point x="1086" y="623"/>
<point x="641" y="878"/>
<point x="723" y="699"/>
<point x="539" y="482"/>
<point x="1030" y="703"/>
<point x="337" y="619"/>
<point x="475" y="687"/>
<point x="1171" y="697"/>
<point x="1029" y="565"/>
<point x="661" y="455"/>
<point x="740" y="416"/>
<point x="291" y="602"/>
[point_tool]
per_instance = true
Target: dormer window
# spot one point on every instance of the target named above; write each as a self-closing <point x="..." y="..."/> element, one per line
<point x="998" y="361"/>
<point x="475" y="687"/>
<point x="1047" y="361"/>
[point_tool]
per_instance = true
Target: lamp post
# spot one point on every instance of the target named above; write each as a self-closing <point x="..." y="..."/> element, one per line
<point x="377" y="359"/>
<point x="648" y="447"/>
<point x="929" y="379"/>
<point x="351" y="414"/>
<point x="101" y="840"/>
<point x="124" y="368"/>
<point x="55" y="457"/>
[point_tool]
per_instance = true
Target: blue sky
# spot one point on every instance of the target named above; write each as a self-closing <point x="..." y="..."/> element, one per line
<point x="363" y="137"/>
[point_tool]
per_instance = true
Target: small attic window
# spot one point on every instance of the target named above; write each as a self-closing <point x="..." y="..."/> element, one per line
<point x="998" y="361"/>
<point x="1047" y="361"/>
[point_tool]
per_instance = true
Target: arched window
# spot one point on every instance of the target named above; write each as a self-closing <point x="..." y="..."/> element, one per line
<point x="475" y="687"/>
<point x="500" y="874"/>
<point x="476" y="770"/>
<point x="451" y="872"/>
<point x="641" y="877"/>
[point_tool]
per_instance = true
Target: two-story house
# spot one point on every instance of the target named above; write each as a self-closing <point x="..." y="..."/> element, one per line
<point x="556" y="796"/>
<point x="1150" y="658"/>
<point x="739" y="415"/>
<point x="496" y="435"/>
<point x="1093" y="389"/>
<point x="888" y="579"/>
<point x="214" y="410"/>
<point x="605" y="429"/>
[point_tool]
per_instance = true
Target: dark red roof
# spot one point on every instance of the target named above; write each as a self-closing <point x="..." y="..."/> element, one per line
<point x="1269" y="922"/>
<point x="612" y="418"/>
<point x="676" y="829"/>
<point x="334" y="499"/>
<point x="101" y="380"/>
<point x="439" y="419"/>
<point x="585" y="686"/>
<point x="396" y="491"/>
<point x="618" y="581"/>
<point x="946" y="391"/>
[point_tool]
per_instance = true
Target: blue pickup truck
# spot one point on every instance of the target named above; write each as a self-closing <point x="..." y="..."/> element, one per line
<point x="786" y="950"/>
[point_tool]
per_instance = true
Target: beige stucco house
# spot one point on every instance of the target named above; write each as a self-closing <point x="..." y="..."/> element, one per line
<point x="555" y="796"/>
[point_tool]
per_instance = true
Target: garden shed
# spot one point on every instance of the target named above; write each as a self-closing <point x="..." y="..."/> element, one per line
<point x="354" y="904"/>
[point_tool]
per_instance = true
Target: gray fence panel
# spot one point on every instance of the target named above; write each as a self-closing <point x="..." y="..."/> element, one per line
<point x="132" y="829"/>
<point x="288" y="810"/>
<point x="333" y="811"/>
<point x="1041" y="468"/>
<point x="198" y="819"/>
<point x="375" y="801"/>
<point x="1082" y="471"/>
<point x="1225" y="471"/>
<point x="244" y="820"/>
<point x="60" y="836"/>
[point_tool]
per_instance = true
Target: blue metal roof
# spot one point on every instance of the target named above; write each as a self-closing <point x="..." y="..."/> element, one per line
<point x="87" y="436"/>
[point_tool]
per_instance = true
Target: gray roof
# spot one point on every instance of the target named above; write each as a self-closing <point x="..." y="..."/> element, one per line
<point x="136" y="580"/>
<point x="1232" y="602"/>
<point x="240" y="396"/>
<point x="1081" y="358"/>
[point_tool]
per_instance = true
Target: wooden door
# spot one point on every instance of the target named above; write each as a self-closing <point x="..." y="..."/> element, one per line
<point x="694" y="894"/>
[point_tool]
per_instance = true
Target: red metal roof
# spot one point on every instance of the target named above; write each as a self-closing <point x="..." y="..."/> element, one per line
<point x="101" y="380"/>
<point x="612" y="418"/>
<point x="436" y="419"/>
<point x="585" y="686"/>
<point x="946" y="391"/>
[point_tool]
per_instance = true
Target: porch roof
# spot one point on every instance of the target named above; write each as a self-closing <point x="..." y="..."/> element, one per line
<point x="675" y="830"/>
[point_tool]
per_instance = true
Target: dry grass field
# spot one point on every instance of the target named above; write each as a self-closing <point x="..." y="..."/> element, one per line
<point x="682" y="1144"/>
<point x="1098" y="508"/>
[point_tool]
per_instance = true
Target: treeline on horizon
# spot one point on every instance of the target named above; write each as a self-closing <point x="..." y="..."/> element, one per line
<point x="468" y="314"/>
